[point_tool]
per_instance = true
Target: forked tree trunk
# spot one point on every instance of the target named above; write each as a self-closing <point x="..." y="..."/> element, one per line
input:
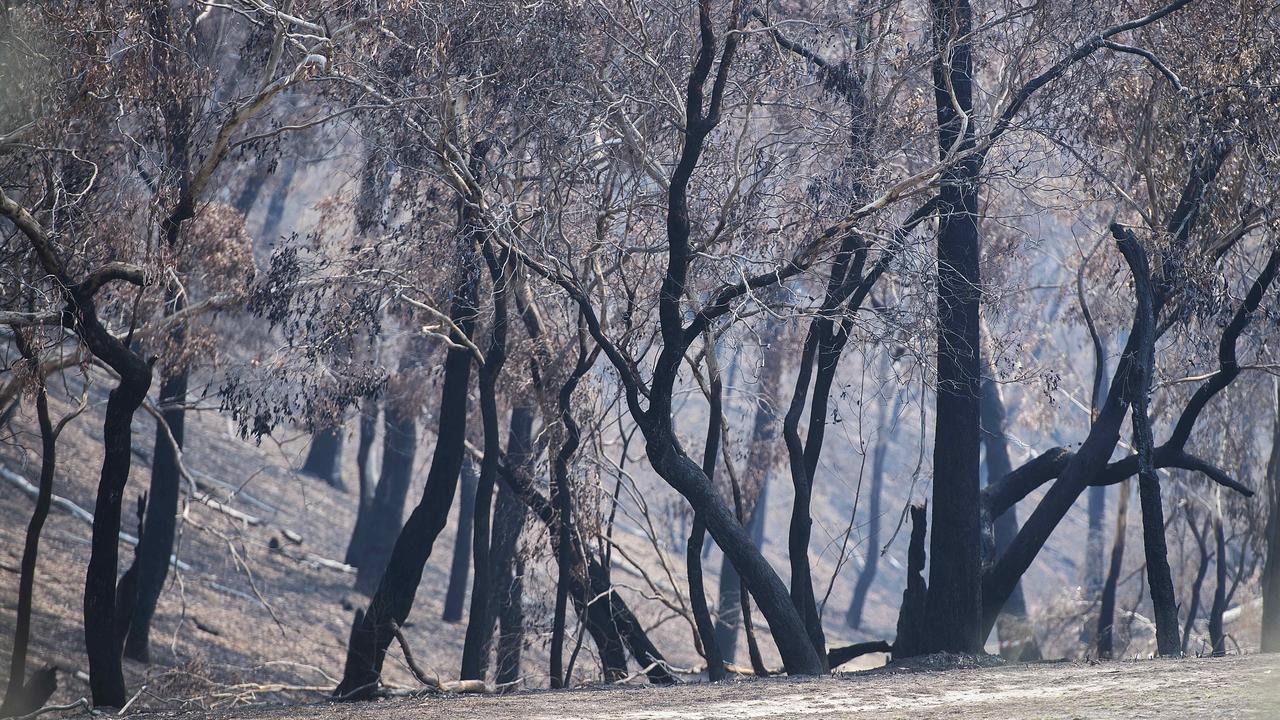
<point x="475" y="649"/>
<point x="456" y="594"/>
<point x="562" y="500"/>
<point x="954" y="599"/>
<point x="103" y="642"/>
<point x="156" y="544"/>
<point x="393" y="599"/>
<point x="1159" y="575"/>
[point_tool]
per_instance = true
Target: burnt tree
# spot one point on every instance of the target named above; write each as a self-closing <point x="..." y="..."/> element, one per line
<point x="393" y="598"/>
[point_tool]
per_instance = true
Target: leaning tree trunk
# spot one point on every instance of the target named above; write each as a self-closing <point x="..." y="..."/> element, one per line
<point x="456" y="594"/>
<point x="22" y="697"/>
<point x="953" y="607"/>
<point x="156" y="544"/>
<point x="323" y="456"/>
<point x="393" y="599"/>
<point x="867" y="575"/>
<point x="1271" y="572"/>
<point x="1107" y="611"/>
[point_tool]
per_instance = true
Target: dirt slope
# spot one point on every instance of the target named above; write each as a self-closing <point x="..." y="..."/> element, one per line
<point x="1234" y="687"/>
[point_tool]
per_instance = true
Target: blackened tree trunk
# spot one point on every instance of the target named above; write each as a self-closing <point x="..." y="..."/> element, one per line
<point x="455" y="596"/>
<point x="1159" y="575"/>
<point x="912" y="629"/>
<point x="22" y="697"/>
<point x="368" y="432"/>
<point x="393" y="599"/>
<point x="1271" y="572"/>
<point x="1017" y="638"/>
<point x="372" y="540"/>
<point x="1107" y="611"/>
<point x="156" y="544"/>
<point x="475" y="649"/>
<point x="954" y="600"/>
<point x="508" y="522"/>
<point x="867" y="575"/>
<point x="103" y="642"/>
<point x="323" y="457"/>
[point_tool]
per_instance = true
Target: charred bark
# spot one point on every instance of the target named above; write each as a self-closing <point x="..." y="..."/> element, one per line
<point x="23" y="696"/>
<point x="1159" y="575"/>
<point x="155" y="545"/>
<point x="562" y="500"/>
<point x="912" y="625"/>
<point x="954" y="599"/>
<point x="475" y="649"/>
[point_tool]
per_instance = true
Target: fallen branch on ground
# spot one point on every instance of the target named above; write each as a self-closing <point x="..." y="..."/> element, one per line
<point x="76" y="511"/>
